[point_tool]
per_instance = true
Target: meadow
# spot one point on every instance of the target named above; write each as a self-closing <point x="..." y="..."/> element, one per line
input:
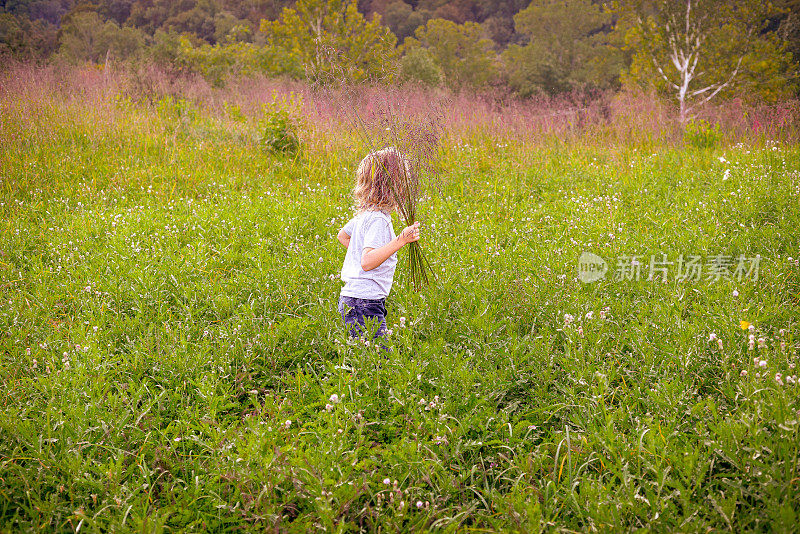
<point x="172" y="357"/>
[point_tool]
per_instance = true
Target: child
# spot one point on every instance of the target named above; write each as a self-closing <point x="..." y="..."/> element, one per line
<point x="370" y="241"/>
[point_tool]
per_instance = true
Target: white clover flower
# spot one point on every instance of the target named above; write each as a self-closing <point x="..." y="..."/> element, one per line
<point x="288" y="423"/>
<point x="568" y="318"/>
<point x="762" y="344"/>
<point x="419" y="504"/>
<point x="751" y="328"/>
<point x="334" y="398"/>
<point x="743" y="373"/>
<point x="735" y="293"/>
<point x="762" y="363"/>
<point x="387" y="481"/>
<point x="328" y="407"/>
<point x="719" y="344"/>
<point x="712" y="336"/>
<point x="589" y="315"/>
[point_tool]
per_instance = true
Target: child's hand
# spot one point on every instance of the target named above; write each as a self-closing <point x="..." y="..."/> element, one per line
<point x="410" y="234"/>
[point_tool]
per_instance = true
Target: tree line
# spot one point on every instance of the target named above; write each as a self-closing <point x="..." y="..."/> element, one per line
<point x="691" y="50"/>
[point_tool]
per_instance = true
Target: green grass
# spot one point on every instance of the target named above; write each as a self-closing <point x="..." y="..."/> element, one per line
<point x="170" y="340"/>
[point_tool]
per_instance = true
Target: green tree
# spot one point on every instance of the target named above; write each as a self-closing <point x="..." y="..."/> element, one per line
<point x="567" y="48"/>
<point x="418" y="66"/>
<point x="218" y="62"/>
<point x="85" y="37"/>
<point x="402" y="19"/>
<point x="695" y="50"/>
<point x="460" y="51"/>
<point x="22" y="38"/>
<point x="324" y="38"/>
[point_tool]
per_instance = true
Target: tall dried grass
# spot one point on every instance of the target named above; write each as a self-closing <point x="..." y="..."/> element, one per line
<point x="610" y="118"/>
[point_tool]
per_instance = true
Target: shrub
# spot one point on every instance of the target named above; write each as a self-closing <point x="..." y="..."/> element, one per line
<point x="702" y="134"/>
<point x="280" y="125"/>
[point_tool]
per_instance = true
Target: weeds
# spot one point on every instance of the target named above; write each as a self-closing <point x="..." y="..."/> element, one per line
<point x="172" y="356"/>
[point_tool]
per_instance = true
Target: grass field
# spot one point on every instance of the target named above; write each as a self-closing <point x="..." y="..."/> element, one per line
<point x="172" y="358"/>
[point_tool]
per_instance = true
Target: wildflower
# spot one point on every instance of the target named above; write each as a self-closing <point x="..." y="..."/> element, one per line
<point x="288" y="423"/>
<point x="735" y="293"/>
<point x="762" y="344"/>
<point x="402" y="321"/>
<point x="751" y="344"/>
<point x="762" y="363"/>
<point x="744" y="325"/>
<point x="419" y="504"/>
<point x="568" y="319"/>
<point x="791" y="379"/>
<point x="334" y="398"/>
<point x="580" y="331"/>
<point x="751" y="328"/>
<point x="719" y="344"/>
<point x="712" y="336"/>
<point x="328" y="407"/>
<point x="778" y="380"/>
<point x="387" y="481"/>
<point x="783" y="346"/>
<point x="589" y="315"/>
<point x="743" y="373"/>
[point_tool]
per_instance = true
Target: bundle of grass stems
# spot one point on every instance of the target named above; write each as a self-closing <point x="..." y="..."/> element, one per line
<point x="411" y="139"/>
<point x="409" y="151"/>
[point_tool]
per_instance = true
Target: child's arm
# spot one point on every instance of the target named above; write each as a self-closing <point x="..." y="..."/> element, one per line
<point x="374" y="257"/>
<point x="344" y="238"/>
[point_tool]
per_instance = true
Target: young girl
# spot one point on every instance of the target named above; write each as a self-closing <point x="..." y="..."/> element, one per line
<point x="370" y="241"/>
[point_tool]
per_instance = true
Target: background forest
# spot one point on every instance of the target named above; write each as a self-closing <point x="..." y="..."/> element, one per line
<point x="684" y="50"/>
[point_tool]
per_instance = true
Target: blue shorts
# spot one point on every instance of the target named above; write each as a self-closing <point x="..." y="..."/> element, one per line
<point x="353" y="311"/>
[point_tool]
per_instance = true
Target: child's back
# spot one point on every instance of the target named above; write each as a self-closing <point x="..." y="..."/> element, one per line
<point x="368" y="229"/>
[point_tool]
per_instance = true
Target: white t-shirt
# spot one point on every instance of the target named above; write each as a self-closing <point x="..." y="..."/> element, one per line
<point x="368" y="229"/>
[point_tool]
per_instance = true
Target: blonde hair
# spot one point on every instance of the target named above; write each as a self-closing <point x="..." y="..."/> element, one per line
<point x="380" y="176"/>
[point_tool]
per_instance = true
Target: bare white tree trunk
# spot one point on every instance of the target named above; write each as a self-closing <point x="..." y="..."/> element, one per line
<point x="685" y="46"/>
